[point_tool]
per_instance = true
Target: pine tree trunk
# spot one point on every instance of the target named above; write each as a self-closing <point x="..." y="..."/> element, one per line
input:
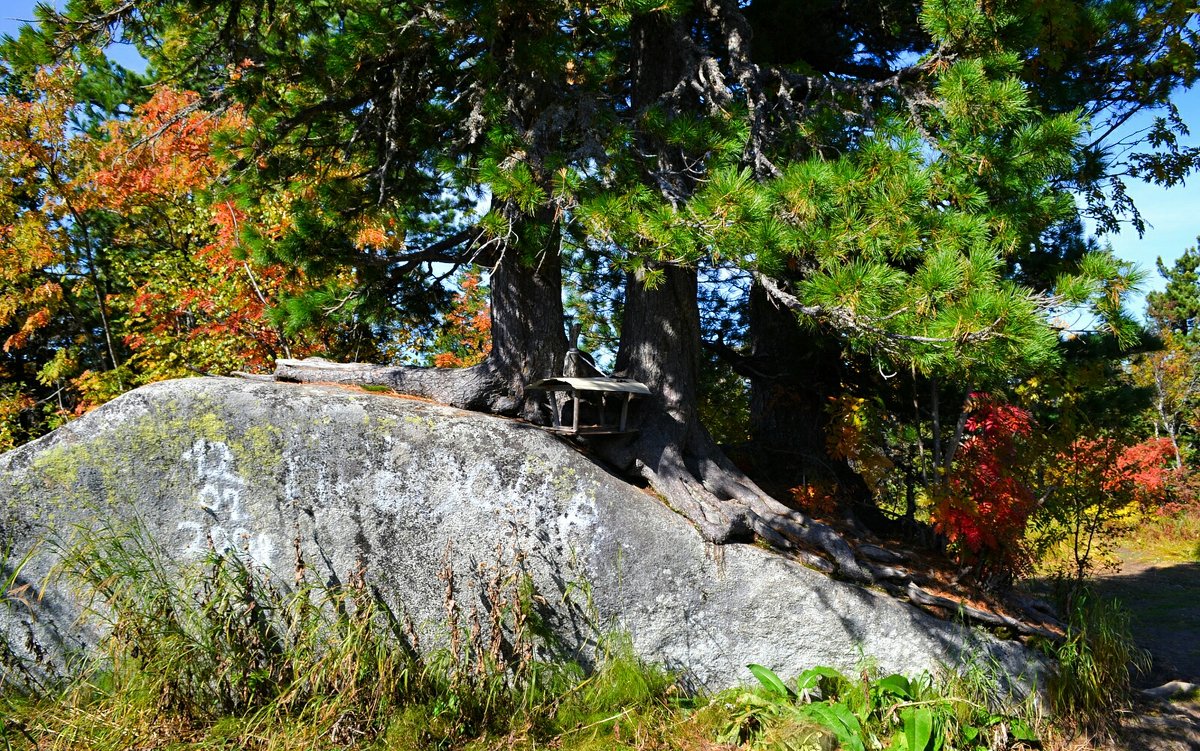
<point x="660" y="346"/>
<point x="528" y="341"/>
<point x="798" y="372"/>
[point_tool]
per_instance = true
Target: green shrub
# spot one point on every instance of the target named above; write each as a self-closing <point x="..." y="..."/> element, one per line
<point x="826" y="709"/>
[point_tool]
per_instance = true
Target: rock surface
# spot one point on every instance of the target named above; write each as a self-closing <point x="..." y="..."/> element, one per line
<point x="394" y="483"/>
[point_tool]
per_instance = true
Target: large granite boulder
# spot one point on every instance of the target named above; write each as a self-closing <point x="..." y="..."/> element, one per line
<point x="399" y="484"/>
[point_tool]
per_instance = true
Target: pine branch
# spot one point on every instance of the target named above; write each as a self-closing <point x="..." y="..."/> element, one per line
<point x="748" y="366"/>
<point x="845" y="320"/>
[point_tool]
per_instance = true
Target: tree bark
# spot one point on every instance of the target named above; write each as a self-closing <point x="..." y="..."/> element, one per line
<point x="528" y="341"/>
<point x="798" y="372"/>
<point x="660" y="346"/>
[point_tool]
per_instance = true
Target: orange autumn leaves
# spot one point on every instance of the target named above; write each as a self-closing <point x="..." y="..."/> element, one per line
<point x="162" y="154"/>
<point x="113" y="271"/>
<point x="35" y="144"/>
<point x="198" y="302"/>
<point x="466" y="338"/>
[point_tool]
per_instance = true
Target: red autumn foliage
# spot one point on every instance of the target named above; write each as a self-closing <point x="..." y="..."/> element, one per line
<point x="1102" y="469"/>
<point x="984" y="506"/>
<point x="1143" y="471"/>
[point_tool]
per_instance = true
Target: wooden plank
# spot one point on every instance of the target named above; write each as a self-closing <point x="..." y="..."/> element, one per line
<point x="588" y="430"/>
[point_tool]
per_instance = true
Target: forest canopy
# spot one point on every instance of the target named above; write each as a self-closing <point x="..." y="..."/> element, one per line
<point x="838" y="241"/>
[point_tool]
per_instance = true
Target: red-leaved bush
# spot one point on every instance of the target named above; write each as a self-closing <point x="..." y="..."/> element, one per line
<point x="1141" y="472"/>
<point x="983" y="506"/>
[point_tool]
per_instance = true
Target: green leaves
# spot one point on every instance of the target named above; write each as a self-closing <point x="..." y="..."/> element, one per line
<point x="891" y="712"/>
<point x="770" y="681"/>
<point x="838" y="718"/>
<point x="918" y="729"/>
<point x="895" y="685"/>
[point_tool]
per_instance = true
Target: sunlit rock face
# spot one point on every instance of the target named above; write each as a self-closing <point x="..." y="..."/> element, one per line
<point x="400" y="487"/>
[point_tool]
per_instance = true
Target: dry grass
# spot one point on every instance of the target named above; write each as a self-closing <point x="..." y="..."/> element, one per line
<point x="223" y="657"/>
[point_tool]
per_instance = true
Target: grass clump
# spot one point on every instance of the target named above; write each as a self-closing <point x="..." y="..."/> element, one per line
<point x="221" y="650"/>
<point x="1096" y="662"/>
<point x="1168" y="534"/>
<point x="222" y="656"/>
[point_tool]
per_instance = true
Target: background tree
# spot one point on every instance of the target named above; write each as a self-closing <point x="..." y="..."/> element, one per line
<point x="465" y="338"/>
<point x="1093" y="462"/>
<point x="1176" y="309"/>
<point x="1173" y="371"/>
<point x="57" y="269"/>
<point x="1173" y="374"/>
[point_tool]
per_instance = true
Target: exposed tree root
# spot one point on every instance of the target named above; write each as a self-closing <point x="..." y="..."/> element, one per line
<point x="478" y="388"/>
<point x="971" y="614"/>
<point x="699" y="481"/>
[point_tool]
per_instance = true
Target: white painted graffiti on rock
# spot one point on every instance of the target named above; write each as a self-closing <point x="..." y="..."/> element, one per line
<point x="220" y="498"/>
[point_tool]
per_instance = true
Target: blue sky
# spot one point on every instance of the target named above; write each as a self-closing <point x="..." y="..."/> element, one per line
<point x="1172" y="216"/>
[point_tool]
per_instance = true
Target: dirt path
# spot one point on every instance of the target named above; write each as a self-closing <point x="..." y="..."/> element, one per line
<point x="1163" y="599"/>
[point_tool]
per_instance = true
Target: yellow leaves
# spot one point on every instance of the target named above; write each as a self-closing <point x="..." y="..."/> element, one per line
<point x="58" y="368"/>
<point x="34" y="134"/>
<point x="237" y="71"/>
<point x="850" y="438"/>
<point x="370" y="237"/>
<point x="43" y="300"/>
<point x="97" y="387"/>
<point x="11" y="408"/>
<point x="29" y="245"/>
<point x="39" y="154"/>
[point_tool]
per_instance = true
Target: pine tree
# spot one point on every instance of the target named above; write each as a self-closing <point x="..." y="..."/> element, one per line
<point x="881" y="172"/>
<point x="1173" y="371"/>
<point x="1177" y="308"/>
